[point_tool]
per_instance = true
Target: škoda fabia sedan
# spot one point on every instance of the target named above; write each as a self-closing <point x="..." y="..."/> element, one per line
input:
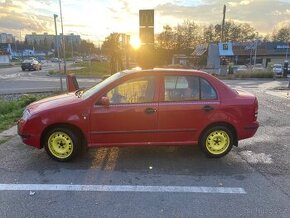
<point x="139" y="108"/>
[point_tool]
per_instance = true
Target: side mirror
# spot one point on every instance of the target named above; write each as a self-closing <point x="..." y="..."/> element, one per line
<point x="105" y="101"/>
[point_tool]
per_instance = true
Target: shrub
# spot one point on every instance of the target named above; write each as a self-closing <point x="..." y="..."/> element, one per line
<point x="253" y="74"/>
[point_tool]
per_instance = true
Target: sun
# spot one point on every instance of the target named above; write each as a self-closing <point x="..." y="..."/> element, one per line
<point x="135" y="42"/>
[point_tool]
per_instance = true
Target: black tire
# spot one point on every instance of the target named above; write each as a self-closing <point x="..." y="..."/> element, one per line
<point x="217" y="141"/>
<point x="62" y="144"/>
<point x="23" y="69"/>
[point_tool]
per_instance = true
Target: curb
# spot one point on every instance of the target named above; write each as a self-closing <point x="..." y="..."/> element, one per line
<point x="9" y="133"/>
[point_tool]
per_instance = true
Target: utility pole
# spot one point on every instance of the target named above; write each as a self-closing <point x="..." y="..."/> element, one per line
<point x="57" y="48"/>
<point x="256" y="46"/>
<point x="72" y="47"/>
<point x="63" y="41"/>
<point x="223" y="23"/>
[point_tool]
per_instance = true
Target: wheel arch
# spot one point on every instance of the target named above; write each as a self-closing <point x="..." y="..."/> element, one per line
<point x="225" y="124"/>
<point x="63" y="125"/>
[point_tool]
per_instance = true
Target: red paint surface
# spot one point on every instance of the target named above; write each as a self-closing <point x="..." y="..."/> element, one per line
<point x="173" y="123"/>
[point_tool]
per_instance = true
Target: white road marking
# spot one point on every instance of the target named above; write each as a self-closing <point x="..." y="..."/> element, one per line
<point x="121" y="188"/>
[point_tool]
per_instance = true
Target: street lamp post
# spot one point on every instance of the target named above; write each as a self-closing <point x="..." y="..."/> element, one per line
<point x="57" y="47"/>
<point x="62" y="38"/>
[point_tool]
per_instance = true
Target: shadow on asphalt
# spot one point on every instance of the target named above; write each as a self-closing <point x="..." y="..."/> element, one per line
<point x="183" y="160"/>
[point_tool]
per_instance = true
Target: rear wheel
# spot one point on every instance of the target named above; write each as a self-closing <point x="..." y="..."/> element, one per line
<point x="217" y="141"/>
<point x="62" y="144"/>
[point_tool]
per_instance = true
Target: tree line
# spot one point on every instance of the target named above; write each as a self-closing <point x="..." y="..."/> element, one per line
<point x="184" y="37"/>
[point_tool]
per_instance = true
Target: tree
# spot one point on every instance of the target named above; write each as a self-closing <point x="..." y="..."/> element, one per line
<point x="112" y="48"/>
<point x="166" y="39"/>
<point x="166" y="45"/>
<point x="282" y="35"/>
<point x="184" y="37"/>
<point x="235" y="32"/>
<point x="187" y="35"/>
<point x="85" y="48"/>
<point x="209" y="34"/>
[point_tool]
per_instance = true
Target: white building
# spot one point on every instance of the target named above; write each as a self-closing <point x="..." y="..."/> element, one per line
<point x="49" y="39"/>
<point x="6" y="38"/>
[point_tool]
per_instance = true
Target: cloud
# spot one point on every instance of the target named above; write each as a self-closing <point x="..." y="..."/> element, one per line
<point x="264" y="15"/>
<point x="96" y="18"/>
<point x="14" y="18"/>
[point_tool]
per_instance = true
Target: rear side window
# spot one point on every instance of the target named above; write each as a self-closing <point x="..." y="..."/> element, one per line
<point x="207" y="91"/>
<point x="181" y="88"/>
<point x="188" y="88"/>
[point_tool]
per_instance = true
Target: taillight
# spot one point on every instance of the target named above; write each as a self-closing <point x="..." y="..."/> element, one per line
<point x="256" y="107"/>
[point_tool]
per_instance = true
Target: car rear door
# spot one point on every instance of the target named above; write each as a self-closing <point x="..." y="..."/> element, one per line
<point x="182" y="116"/>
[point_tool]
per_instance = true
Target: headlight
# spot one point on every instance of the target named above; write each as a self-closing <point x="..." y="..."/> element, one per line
<point x="26" y="114"/>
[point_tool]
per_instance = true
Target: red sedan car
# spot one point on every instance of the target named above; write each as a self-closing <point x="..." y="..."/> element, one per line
<point x="139" y="108"/>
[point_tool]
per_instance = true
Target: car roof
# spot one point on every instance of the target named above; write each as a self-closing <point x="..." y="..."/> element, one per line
<point x="164" y="70"/>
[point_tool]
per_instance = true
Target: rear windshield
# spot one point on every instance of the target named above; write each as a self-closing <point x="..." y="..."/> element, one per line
<point x="27" y="61"/>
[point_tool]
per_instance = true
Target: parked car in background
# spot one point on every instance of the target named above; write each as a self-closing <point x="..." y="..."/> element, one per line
<point x="78" y="60"/>
<point x="87" y="58"/>
<point x="31" y="64"/>
<point x="258" y="67"/>
<point x="143" y="108"/>
<point x="239" y="68"/>
<point x="15" y="59"/>
<point x="41" y="59"/>
<point x="55" y="60"/>
<point x="278" y="70"/>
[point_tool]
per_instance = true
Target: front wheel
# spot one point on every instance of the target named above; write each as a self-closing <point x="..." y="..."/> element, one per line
<point x="62" y="144"/>
<point x="217" y="141"/>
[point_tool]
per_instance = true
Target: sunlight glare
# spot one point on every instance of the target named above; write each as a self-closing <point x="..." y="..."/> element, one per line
<point x="135" y="42"/>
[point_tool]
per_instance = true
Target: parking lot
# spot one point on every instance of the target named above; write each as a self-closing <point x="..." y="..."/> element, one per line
<point x="251" y="181"/>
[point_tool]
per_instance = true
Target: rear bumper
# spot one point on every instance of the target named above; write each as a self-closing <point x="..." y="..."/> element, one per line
<point x="248" y="130"/>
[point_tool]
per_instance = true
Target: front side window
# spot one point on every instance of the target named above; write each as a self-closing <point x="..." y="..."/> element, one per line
<point x="140" y="90"/>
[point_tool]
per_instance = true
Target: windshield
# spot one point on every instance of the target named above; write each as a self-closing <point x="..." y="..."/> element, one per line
<point x="27" y="61"/>
<point x="89" y="92"/>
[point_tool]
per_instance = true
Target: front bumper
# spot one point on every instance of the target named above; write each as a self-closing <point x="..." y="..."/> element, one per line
<point x="28" y="133"/>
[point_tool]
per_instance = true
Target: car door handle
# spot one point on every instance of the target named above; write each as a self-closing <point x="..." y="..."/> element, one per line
<point x="150" y="110"/>
<point x="207" y="108"/>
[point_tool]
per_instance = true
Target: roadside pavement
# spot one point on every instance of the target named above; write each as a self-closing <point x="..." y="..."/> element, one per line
<point x="9" y="133"/>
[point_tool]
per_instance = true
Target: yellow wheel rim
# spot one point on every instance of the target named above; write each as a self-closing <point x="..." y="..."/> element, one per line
<point x="217" y="142"/>
<point x="60" y="145"/>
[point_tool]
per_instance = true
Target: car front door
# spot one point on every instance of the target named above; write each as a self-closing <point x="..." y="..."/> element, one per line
<point x="185" y="108"/>
<point x="131" y="116"/>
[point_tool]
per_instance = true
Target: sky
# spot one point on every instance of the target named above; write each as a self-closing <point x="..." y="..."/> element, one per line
<point x="96" y="19"/>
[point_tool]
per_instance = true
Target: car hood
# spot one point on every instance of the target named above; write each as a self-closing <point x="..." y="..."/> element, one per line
<point x="53" y="102"/>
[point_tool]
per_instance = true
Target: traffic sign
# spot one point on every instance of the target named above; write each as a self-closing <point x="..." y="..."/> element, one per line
<point x="146" y="18"/>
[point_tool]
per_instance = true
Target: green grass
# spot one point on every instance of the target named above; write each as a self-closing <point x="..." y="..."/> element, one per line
<point x="91" y="69"/>
<point x="53" y="72"/>
<point x="11" y="111"/>
<point x="2" y="141"/>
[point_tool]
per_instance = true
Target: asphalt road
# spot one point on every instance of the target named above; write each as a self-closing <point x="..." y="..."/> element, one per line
<point x="14" y="80"/>
<point x="260" y="166"/>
